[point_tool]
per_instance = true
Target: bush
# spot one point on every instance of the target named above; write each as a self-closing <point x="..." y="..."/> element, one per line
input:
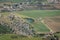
<point x="14" y="36"/>
<point x="4" y="29"/>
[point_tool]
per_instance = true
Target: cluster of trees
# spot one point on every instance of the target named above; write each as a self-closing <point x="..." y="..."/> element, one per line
<point x="4" y="29"/>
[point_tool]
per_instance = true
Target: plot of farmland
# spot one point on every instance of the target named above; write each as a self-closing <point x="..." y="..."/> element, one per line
<point x="40" y="13"/>
<point x="53" y="23"/>
<point x="40" y="27"/>
<point x="56" y="19"/>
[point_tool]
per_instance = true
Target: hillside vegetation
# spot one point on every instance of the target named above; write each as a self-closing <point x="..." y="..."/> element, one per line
<point x="17" y="37"/>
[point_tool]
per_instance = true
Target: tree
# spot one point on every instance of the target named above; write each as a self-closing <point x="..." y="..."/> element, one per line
<point x="5" y="29"/>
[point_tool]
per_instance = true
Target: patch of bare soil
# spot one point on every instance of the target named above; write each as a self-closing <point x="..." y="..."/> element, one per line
<point x="53" y="23"/>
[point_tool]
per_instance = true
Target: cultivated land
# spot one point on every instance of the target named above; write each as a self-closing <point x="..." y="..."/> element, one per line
<point x="38" y="16"/>
<point x="53" y="23"/>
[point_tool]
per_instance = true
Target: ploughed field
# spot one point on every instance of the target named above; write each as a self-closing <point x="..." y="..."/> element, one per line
<point x="53" y="23"/>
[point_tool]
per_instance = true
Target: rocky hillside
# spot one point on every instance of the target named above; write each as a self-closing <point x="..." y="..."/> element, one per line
<point x="17" y="24"/>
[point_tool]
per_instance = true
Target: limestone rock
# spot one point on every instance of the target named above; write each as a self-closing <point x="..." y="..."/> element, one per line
<point x="17" y="24"/>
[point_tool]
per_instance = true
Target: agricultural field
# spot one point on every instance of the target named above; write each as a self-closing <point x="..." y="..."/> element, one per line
<point x="37" y="14"/>
<point x="40" y="13"/>
<point x="53" y="23"/>
<point x="29" y="20"/>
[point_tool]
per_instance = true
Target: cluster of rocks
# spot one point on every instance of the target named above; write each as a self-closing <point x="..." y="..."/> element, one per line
<point x="17" y="24"/>
<point x="50" y="37"/>
<point x="11" y="7"/>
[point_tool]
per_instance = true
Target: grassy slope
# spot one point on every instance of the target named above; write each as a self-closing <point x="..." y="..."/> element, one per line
<point x="9" y="37"/>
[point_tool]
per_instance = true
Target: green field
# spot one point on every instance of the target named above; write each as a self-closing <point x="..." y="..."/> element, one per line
<point x="17" y="37"/>
<point x="40" y="13"/>
<point x="40" y="27"/>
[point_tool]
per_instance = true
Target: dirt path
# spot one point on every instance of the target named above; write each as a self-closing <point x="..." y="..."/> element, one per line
<point x="47" y="26"/>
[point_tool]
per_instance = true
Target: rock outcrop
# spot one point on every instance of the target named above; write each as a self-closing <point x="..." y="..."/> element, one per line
<point x="17" y="24"/>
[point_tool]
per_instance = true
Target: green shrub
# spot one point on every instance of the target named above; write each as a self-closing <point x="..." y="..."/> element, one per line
<point x="14" y="36"/>
<point x="4" y="29"/>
